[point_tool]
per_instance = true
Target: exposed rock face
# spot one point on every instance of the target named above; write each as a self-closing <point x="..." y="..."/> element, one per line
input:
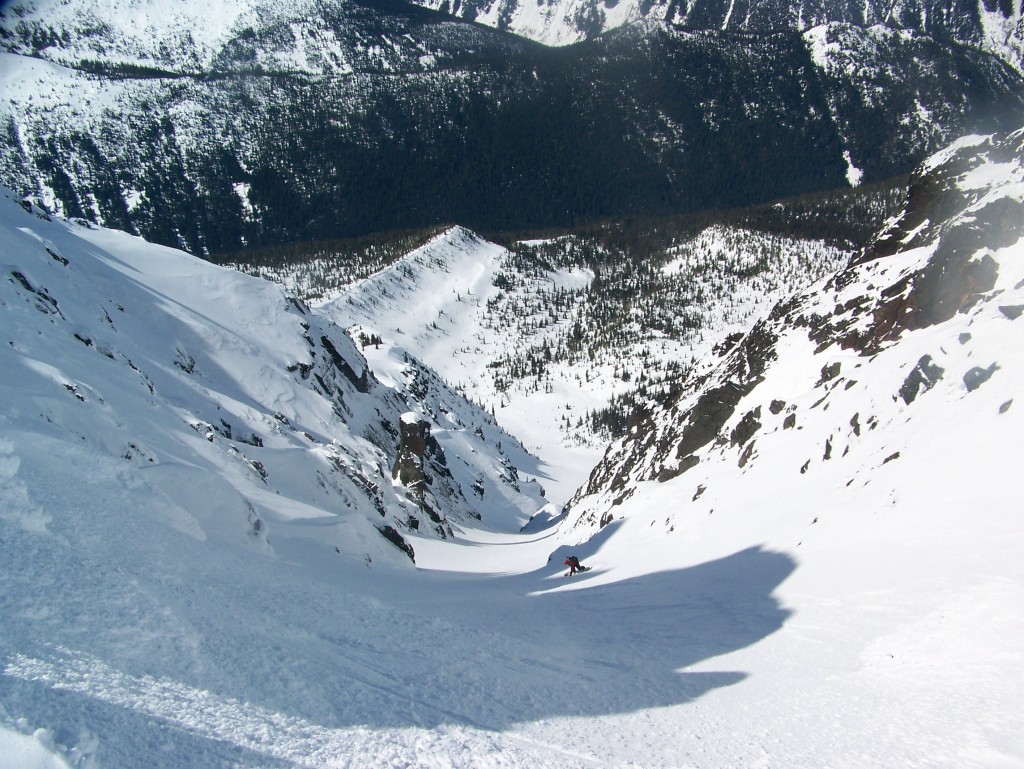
<point x="412" y="451"/>
<point x="957" y="221"/>
<point x="391" y="534"/>
<point x="422" y="468"/>
<point x="921" y="378"/>
<point x="666" y="444"/>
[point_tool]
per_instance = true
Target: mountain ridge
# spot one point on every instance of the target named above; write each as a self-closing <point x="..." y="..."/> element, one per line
<point x="996" y="27"/>
<point x="353" y="120"/>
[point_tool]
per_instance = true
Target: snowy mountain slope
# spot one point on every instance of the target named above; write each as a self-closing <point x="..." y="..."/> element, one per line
<point x="335" y="119"/>
<point x="531" y="337"/>
<point x="442" y="304"/>
<point x="155" y="34"/>
<point x="868" y="429"/>
<point x="788" y="619"/>
<point x="996" y="27"/>
<point x="939" y="262"/>
<point x="196" y="382"/>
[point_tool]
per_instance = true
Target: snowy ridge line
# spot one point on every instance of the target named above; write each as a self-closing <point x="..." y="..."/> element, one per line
<point x="997" y="30"/>
<point x="526" y="334"/>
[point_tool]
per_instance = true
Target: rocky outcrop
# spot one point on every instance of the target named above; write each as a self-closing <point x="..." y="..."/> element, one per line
<point x="666" y="443"/>
<point x="951" y="215"/>
<point x="412" y="450"/>
<point x="422" y="468"/>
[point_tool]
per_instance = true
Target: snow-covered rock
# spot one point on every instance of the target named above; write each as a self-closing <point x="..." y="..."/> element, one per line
<point x="997" y="27"/>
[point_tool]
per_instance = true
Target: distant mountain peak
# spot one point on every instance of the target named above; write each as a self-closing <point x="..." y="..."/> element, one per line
<point x="994" y="26"/>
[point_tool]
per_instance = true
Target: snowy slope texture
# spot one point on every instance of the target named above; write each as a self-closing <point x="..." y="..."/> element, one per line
<point x="227" y="407"/>
<point x="314" y="121"/>
<point x="990" y="24"/>
<point x="930" y="306"/>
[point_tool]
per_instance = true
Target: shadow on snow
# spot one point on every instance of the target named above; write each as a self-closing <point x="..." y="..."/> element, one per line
<point x="480" y="651"/>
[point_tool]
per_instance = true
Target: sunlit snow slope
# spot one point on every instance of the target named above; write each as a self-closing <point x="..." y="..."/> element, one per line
<point x="228" y="405"/>
<point x="813" y="559"/>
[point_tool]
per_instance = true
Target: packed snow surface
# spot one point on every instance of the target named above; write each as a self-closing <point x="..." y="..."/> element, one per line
<point x="865" y="612"/>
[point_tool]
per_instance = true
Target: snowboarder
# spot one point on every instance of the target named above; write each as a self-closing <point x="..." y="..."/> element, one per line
<point x="574" y="565"/>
